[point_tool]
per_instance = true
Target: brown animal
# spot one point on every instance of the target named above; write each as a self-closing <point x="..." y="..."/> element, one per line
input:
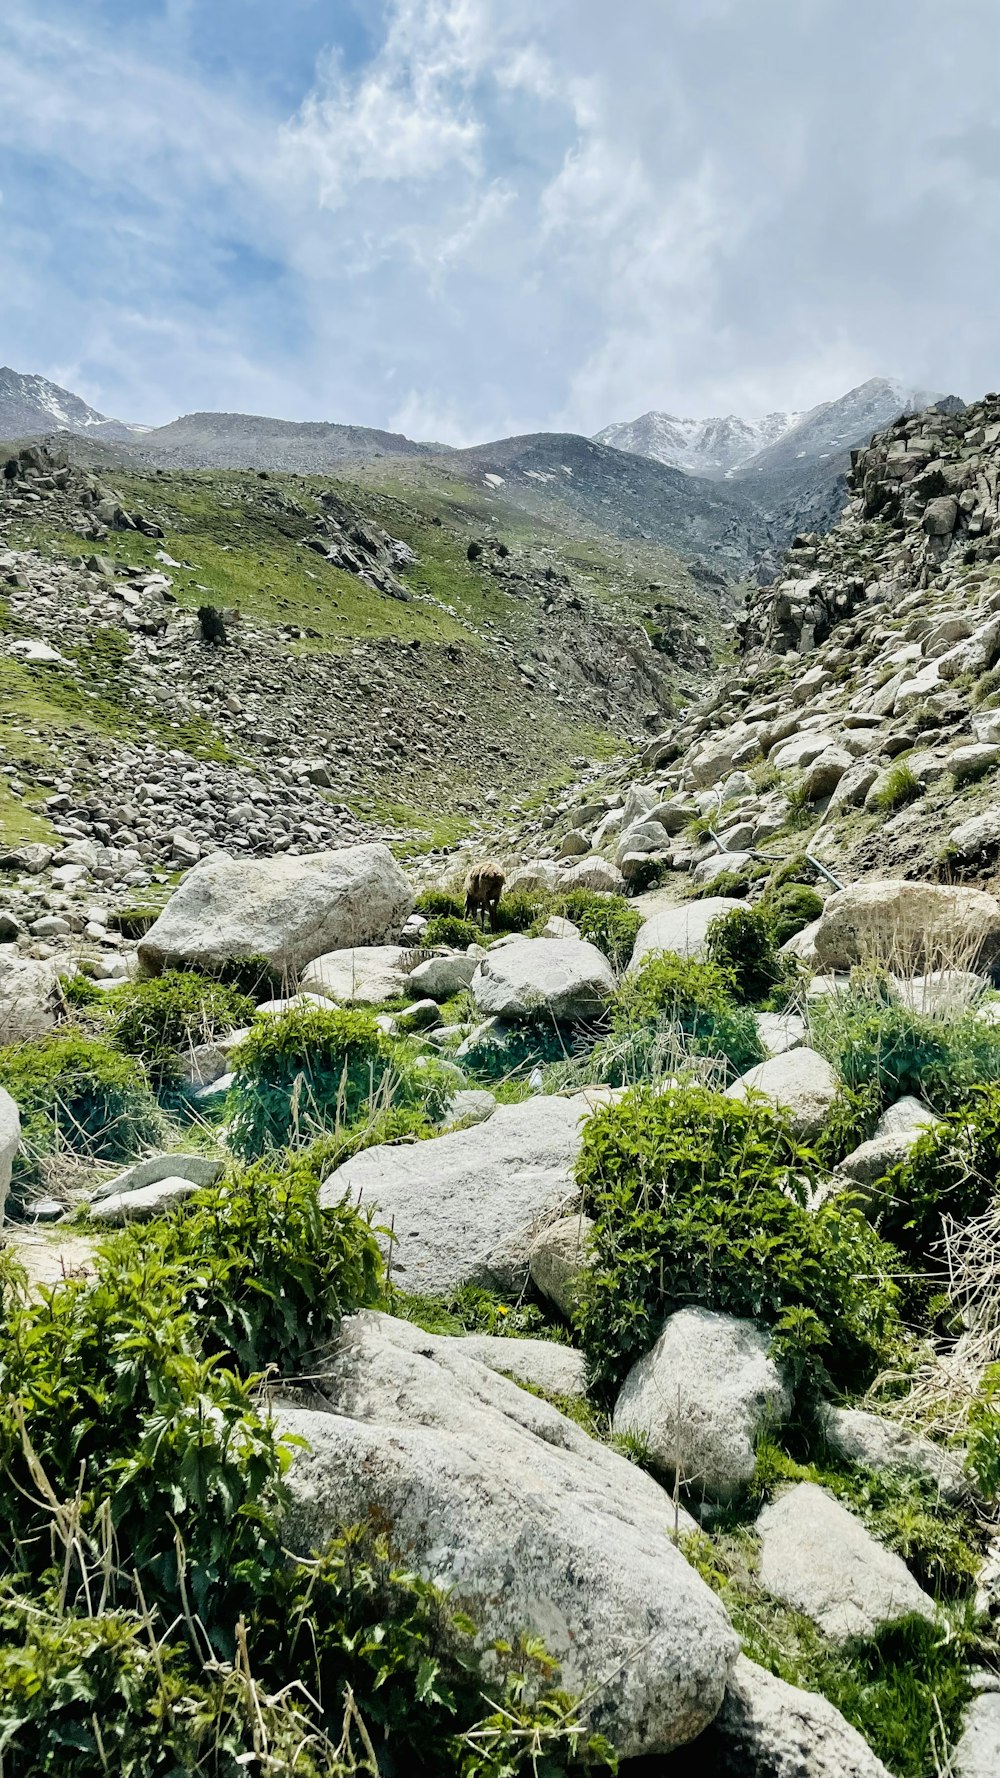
<point x="483" y="889"/>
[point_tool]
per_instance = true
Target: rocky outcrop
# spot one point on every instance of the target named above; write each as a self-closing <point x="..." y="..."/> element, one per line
<point x="908" y="924"/>
<point x="529" y="1524"/>
<point x="288" y="910"/>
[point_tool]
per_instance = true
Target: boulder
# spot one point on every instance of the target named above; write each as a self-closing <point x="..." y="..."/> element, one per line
<point x="29" y="997"/>
<point x="145" y="1202"/>
<point x="852" y="788"/>
<point x="800" y="1082"/>
<point x="545" y="1364"/>
<point x="441" y="977"/>
<point x="286" y="909"/>
<point x="596" y="874"/>
<point x="10" y="1138"/>
<point x="565" y="980"/>
<point x="873" y="1160"/>
<point x="559" y="1260"/>
<point x="976" y="838"/>
<point x="681" y="929"/>
<point x="903" y="1116"/>
<point x="882" y="1444"/>
<point x="702" y="1397"/>
<point x="977" y="1753"/>
<point x="538" y="874"/>
<point x="642" y="837"/>
<point x="466" y="1207"/>
<point x="912" y="924"/>
<point x="719" y="865"/>
<point x="527" y="1523"/>
<point x="363" y="976"/>
<point x="769" y="1729"/>
<point x="941" y="516"/>
<point x="780" y="1032"/>
<point x="820" y="1559"/>
<point x="473" y="1105"/>
<point x="826" y="771"/>
<point x="198" y="1169"/>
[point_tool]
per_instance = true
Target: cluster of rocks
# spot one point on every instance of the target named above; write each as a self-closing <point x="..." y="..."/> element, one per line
<point x="37" y="475"/>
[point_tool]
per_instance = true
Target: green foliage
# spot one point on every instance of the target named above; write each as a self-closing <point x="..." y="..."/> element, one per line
<point x="900" y="788"/>
<point x="789" y="908"/>
<point x="952" y="1172"/>
<point x="301" y="1072"/>
<point x="135" y="922"/>
<point x="870" y="1037"/>
<point x="735" y="883"/>
<point x="741" y="944"/>
<point x="77" y="1093"/>
<point x="78" y="991"/>
<point x="607" y="921"/>
<point x="476" y="1309"/>
<point x="512" y="1050"/>
<point x="702" y="1199"/>
<point x="851" y="1120"/>
<point x="983" y="1435"/>
<point x="155" y="1017"/>
<point x="451" y="929"/>
<point x="692" y="1000"/>
<point x="251" y="974"/>
<point x="435" y="903"/>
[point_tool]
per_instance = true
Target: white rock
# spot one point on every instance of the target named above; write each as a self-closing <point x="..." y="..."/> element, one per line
<point x="363" y="976"/>
<point x="800" y="1082"/>
<point x="820" y="1559"/>
<point x="884" y="1444"/>
<point x="140" y="1205"/>
<point x="769" y="1729"/>
<point x="10" y="1138"/>
<point x="466" y="1207"/>
<point x="977" y="1754"/>
<point x="559" y="1260"/>
<point x="441" y="977"/>
<point x="526" y="1522"/>
<point x="780" y="1032"/>
<point x="29" y="997"/>
<point x="558" y="1369"/>
<point x="286" y="909"/>
<point x="596" y="874"/>
<point x="198" y="1169"/>
<point x="562" y="979"/>
<point x="903" y="1116"/>
<point x="702" y="1397"/>
<point x="909" y="923"/>
<point x="681" y="929"/>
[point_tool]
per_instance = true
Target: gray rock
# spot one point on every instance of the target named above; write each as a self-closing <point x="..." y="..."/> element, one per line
<point x="781" y="1031"/>
<point x="941" y="516"/>
<point x="826" y="771"/>
<point x="203" y="1063"/>
<point x="913" y="924"/>
<point x="872" y="1160"/>
<point x="978" y="837"/>
<point x="702" y="1397"/>
<point x="142" y="1204"/>
<point x="596" y="874"/>
<point x="719" y="865"/>
<point x="364" y="976"/>
<point x="10" y="1139"/>
<point x="559" y="1260"/>
<point x="769" y="1729"/>
<point x="198" y="1169"/>
<point x="977" y="1754"/>
<point x="420" y="1015"/>
<point x="801" y="1082"/>
<point x="821" y="1560"/>
<point x="853" y="787"/>
<point x="466" y="1207"/>
<point x="882" y="1444"/>
<point x="566" y="980"/>
<point x="558" y="1369"/>
<point x="680" y="929"/>
<point x="904" y="1115"/>
<point x="441" y="977"/>
<point x="287" y="909"/>
<point x="526" y="1522"/>
<point x="472" y="1105"/>
<point x="643" y="837"/>
<point x="29" y="997"/>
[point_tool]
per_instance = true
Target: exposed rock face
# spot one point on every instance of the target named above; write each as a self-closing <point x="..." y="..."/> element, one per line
<point x="467" y="1207"/>
<point x="800" y="1082"/>
<point x="820" y="1559"/>
<point x="977" y="1754"/>
<point x="768" y="1729"/>
<point x="680" y="929"/>
<point x="288" y="910"/>
<point x="565" y="980"/>
<point x="529" y="1523"/>
<point x="702" y="1397"/>
<point x="907" y="923"/>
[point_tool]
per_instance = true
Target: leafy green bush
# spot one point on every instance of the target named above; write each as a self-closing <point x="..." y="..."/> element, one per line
<point x="302" y="1071"/>
<point x="741" y="944"/>
<point x="79" y="992"/>
<point x="513" y="1049"/>
<point x="438" y="903"/>
<point x="79" y="1094"/>
<point x="702" y="1199"/>
<point x="900" y="788"/>
<point x="789" y="908"/>
<point x="451" y="929"/>
<point x="691" y="999"/>
<point x="518" y="911"/>
<point x="153" y="1018"/>
<point x="607" y="921"/>
<point x="952" y="1171"/>
<point x="870" y="1037"/>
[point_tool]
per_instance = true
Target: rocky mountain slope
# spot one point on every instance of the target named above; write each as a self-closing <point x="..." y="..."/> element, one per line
<point x="31" y="404"/>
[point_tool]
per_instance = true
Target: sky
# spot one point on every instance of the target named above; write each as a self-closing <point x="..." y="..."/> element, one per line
<point x="462" y="219"/>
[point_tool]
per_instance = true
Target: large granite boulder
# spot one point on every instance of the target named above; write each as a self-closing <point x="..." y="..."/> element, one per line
<point x="364" y="975"/>
<point x="563" y="980"/>
<point x="466" y="1207"/>
<point x="882" y="1444"/>
<point x="680" y="929"/>
<point x="702" y="1397"/>
<point x="770" y="1729"/>
<point x="529" y="1524"/>
<point x="29" y="997"/>
<point x="800" y="1082"/>
<point x="560" y="1259"/>
<point x="820" y="1559"/>
<point x="914" y="924"/>
<point x="286" y="909"/>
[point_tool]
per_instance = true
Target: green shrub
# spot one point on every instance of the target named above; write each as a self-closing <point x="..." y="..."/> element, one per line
<point x="869" y="1037"/>
<point x="698" y="1198"/>
<point x="735" y="883"/>
<point x="517" y="912"/>
<point x="301" y="1072"/>
<point x="851" y="1120"/>
<point x="78" y="991"/>
<point x="952" y="1172"/>
<point x="692" y="1000"/>
<point x="607" y="921"/>
<point x="451" y="929"/>
<point x="157" y="1016"/>
<point x="789" y="908"/>
<point x="900" y="788"/>
<point x="510" y="1050"/>
<point x="251" y="974"/>
<point x="79" y="1094"/>
<point x="741" y="944"/>
<point x="438" y="903"/>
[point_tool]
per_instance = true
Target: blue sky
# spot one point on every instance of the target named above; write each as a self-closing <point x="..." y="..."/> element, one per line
<point x="463" y="218"/>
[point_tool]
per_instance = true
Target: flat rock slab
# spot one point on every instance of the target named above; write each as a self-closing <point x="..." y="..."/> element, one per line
<point x="564" y="979"/>
<point x="139" y="1206"/>
<point x="527" y="1522"/>
<point x="466" y="1207"/>
<point x="820" y="1559"/>
<point x="769" y="1729"/>
<point x="286" y="909"/>
<point x="802" y="1083"/>
<point x="361" y="976"/>
<point x="682" y="930"/>
<point x="702" y="1397"/>
<point x="200" y="1169"/>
